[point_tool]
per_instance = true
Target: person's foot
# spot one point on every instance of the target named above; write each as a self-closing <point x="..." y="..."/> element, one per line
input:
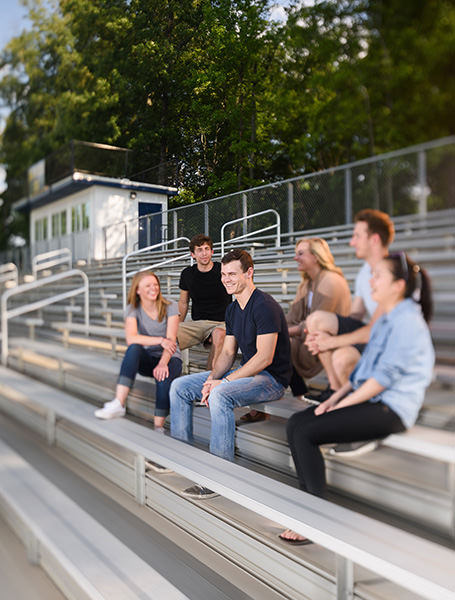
<point x="254" y="416"/>
<point x="199" y="492"/>
<point x="353" y="449"/>
<point x="293" y="538"/>
<point x="111" y="410"/>
<point x="322" y="397"/>
<point x="157" y="468"/>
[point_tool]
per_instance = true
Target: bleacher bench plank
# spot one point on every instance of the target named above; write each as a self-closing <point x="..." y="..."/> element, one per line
<point x="95" y="563"/>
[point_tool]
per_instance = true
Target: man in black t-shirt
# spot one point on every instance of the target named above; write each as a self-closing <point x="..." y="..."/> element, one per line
<point x="202" y="284"/>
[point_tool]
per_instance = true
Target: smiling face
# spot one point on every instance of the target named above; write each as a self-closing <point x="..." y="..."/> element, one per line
<point x="202" y="255"/>
<point x="234" y="279"/>
<point x="305" y="260"/>
<point x="386" y="290"/>
<point x="148" y="288"/>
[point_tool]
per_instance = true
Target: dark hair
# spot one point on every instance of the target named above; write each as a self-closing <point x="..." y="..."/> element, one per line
<point x="378" y="222"/>
<point x="242" y="255"/>
<point x="199" y="240"/>
<point x="418" y="285"/>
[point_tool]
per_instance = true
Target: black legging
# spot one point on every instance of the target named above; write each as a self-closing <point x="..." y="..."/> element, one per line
<point x="307" y="431"/>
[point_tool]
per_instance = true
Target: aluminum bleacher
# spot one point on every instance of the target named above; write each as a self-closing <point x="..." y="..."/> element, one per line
<point x="418" y="467"/>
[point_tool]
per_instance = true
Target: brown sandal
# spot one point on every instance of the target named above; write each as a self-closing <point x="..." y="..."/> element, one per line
<point x="249" y="417"/>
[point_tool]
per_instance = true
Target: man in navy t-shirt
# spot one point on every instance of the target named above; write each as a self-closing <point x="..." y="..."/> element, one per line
<point x="255" y="324"/>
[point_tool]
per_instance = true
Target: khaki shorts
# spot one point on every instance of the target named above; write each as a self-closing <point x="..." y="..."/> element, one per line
<point x="191" y="333"/>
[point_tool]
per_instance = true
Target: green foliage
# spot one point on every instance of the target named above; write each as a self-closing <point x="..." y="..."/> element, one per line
<point x="216" y="87"/>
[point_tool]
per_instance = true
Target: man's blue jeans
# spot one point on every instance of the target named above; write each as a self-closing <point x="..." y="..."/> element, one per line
<point x="263" y="387"/>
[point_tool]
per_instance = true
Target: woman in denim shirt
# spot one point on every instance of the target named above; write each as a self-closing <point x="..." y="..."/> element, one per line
<point x="387" y="387"/>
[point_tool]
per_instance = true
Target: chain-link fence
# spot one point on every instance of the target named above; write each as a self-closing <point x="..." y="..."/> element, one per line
<point x="410" y="181"/>
<point x="414" y="180"/>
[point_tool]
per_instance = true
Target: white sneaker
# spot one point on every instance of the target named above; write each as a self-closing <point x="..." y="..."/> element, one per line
<point x="111" y="410"/>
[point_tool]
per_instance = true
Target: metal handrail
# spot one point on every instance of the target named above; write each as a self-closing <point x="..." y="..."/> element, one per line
<point x="141" y="251"/>
<point x="8" y="272"/>
<point x="277" y="226"/>
<point x="50" y="260"/>
<point x="32" y="306"/>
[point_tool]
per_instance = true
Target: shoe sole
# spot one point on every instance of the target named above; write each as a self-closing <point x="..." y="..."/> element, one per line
<point x="357" y="452"/>
<point x="200" y="497"/>
<point x="107" y="417"/>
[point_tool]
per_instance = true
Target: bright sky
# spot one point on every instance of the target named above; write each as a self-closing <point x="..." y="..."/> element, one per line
<point x="12" y="21"/>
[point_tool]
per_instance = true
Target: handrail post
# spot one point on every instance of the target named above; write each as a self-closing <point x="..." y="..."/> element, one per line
<point x="344" y="578"/>
<point x="4" y="332"/>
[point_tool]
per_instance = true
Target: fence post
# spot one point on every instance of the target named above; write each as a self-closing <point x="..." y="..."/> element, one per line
<point x="348" y="196"/>
<point x="244" y="214"/>
<point x="206" y="218"/>
<point x="423" y="186"/>
<point x="175" y="232"/>
<point x="290" y="208"/>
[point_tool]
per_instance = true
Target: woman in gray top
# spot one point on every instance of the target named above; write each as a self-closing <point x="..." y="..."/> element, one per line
<point x="151" y="325"/>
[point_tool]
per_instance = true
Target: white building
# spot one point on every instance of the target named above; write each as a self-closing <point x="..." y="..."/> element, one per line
<point x="95" y="216"/>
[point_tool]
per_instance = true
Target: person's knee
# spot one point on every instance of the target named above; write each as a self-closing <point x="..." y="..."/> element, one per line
<point x="134" y="349"/>
<point x="319" y="320"/>
<point x="219" y="402"/>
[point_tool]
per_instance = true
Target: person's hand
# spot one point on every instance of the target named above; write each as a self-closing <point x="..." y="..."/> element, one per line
<point x="207" y="388"/>
<point x="160" y="372"/>
<point x="319" y="341"/>
<point x="169" y="345"/>
<point x="327" y="405"/>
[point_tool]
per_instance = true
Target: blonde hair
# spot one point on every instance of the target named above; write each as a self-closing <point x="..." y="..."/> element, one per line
<point x="319" y="248"/>
<point x="134" y="299"/>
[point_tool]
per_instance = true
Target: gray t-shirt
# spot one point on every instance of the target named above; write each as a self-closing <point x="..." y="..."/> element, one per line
<point x="153" y="327"/>
<point x="363" y="289"/>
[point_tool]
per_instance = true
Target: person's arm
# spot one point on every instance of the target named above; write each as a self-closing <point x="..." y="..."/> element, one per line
<point x="223" y="363"/>
<point x="358" y="310"/>
<point x="265" y="345"/>
<point x="133" y="337"/>
<point x="265" y="351"/>
<point x="184" y="301"/>
<point x="369" y="389"/>
<point x="161" y="371"/>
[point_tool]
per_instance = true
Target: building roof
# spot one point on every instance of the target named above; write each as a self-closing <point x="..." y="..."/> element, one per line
<point x="79" y="181"/>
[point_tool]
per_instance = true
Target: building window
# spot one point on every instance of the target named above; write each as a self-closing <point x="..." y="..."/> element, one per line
<point x="80" y="219"/>
<point x="41" y="229"/>
<point x="59" y="224"/>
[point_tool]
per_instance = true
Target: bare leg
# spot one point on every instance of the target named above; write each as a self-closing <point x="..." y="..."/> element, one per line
<point x="121" y="393"/>
<point x="218" y="335"/>
<point x="159" y="422"/>
<point x="326" y="361"/>
<point x="327" y="322"/>
<point x="343" y="362"/>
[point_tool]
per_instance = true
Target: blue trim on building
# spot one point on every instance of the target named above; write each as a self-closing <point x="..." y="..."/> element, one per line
<point x="73" y="185"/>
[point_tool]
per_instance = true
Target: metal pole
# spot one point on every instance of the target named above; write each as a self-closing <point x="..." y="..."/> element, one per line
<point x="348" y="196"/>
<point x="206" y="219"/>
<point x="423" y="186"/>
<point x="344" y="578"/>
<point x="290" y="208"/>
<point x="244" y="214"/>
<point x="175" y="228"/>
